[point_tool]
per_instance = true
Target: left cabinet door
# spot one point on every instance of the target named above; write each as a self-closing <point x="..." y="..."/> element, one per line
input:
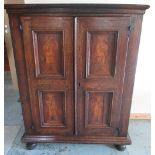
<point x="48" y="49"/>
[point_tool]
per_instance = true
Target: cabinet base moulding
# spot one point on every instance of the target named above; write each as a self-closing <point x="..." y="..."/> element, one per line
<point x="76" y="139"/>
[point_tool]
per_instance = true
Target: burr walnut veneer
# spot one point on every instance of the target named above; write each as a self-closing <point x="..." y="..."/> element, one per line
<point x="75" y="66"/>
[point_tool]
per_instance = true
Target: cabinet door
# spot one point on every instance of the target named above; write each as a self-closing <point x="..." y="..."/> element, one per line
<point x="101" y="50"/>
<point x="49" y="57"/>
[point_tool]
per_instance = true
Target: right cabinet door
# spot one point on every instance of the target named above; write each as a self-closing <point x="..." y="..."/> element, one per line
<point x="100" y="58"/>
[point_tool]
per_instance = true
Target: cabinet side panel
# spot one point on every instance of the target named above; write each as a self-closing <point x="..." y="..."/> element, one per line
<point x="21" y="70"/>
<point x="130" y="70"/>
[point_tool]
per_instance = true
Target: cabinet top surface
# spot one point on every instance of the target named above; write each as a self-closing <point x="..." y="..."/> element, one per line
<point x="112" y="8"/>
<point x="105" y="6"/>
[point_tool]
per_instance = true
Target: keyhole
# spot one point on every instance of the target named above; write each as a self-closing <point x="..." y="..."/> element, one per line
<point x="79" y="84"/>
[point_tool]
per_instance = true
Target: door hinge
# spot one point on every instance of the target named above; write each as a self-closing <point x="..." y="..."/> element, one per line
<point x="32" y="127"/>
<point x="129" y="29"/>
<point x="117" y="131"/>
<point x="20" y="27"/>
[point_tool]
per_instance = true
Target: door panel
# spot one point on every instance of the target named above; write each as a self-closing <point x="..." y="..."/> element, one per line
<point x="48" y="50"/>
<point x="52" y="108"/>
<point x="97" y="109"/>
<point x="48" y="46"/>
<point x="101" y="53"/>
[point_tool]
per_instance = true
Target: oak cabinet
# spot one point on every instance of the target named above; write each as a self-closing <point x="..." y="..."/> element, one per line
<point x="75" y="65"/>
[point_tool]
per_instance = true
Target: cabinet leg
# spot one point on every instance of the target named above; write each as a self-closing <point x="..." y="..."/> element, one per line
<point x="120" y="147"/>
<point x="31" y="146"/>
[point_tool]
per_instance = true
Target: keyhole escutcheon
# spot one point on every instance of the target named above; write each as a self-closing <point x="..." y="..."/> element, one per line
<point x="79" y="84"/>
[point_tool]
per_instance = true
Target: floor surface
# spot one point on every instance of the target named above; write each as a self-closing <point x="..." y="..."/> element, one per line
<point x="139" y="131"/>
<point x="10" y="133"/>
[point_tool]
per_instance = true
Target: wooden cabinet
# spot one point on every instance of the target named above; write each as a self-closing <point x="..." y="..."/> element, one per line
<point x="75" y="67"/>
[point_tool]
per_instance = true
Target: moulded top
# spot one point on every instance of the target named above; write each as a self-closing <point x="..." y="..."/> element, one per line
<point x="76" y="8"/>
